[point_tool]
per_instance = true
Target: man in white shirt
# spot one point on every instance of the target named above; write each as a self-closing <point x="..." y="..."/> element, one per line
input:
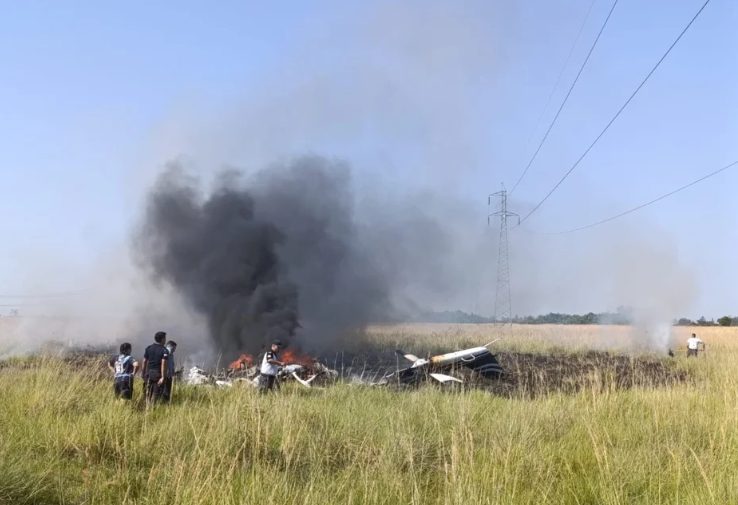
<point x="693" y="345"/>
<point x="270" y="365"/>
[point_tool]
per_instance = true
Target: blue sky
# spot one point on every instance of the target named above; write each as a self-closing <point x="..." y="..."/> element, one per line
<point x="431" y="96"/>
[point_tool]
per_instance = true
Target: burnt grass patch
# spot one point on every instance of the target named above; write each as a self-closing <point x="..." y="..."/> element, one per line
<point x="533" y="374"/>
<point x="525" y="374"/>
<point x="536" y="374"/>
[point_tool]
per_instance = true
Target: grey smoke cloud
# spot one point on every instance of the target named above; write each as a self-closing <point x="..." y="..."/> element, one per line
<point x="618" y="266"/>
<point x="279" y="254"/>
<point x="405" y="93"/>
<point x="220" y="258"/>
<point x="342" y="277"/>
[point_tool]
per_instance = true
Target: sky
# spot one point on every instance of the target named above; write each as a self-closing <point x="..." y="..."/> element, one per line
<point x="420" y="97"/>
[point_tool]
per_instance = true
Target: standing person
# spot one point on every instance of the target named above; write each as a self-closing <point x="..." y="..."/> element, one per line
<point x="693" y="345"/>
<point x="124" y="366"/>
<point x="155" y="367"/>
<point x="270" y="367"/>
<point x="169" y="377"/>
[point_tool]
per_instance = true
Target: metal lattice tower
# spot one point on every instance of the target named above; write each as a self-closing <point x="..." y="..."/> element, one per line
<point x="503" y="303"/>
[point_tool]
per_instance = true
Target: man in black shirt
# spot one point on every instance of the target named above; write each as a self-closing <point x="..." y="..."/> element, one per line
<point x="155" y="367"/>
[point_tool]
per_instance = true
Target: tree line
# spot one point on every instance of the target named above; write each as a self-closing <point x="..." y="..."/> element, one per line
<point x="621" y="316"/>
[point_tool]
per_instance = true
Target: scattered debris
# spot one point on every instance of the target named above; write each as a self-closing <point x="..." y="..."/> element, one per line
<point x="303" y="369"/>
<point x="197" y="376"/>
<point x="508" y="374"/>
<point x="309" y="371"/>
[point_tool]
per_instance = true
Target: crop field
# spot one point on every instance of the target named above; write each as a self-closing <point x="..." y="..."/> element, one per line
<point x="588" y="415"/>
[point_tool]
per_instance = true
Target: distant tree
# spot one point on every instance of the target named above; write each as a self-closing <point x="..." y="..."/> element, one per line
<point x="702" y="321"/>
<point x="725" y="321"/>
<point x="590" y="318"/>
<point x="685" y="322"/>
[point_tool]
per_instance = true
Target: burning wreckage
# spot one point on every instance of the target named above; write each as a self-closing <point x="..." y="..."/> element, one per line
<point x="245" y="370"/>
<point x="452" y="367"/>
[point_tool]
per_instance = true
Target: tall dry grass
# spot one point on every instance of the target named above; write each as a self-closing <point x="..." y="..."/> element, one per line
<point x="64" y="439"/>
<point x="618" y="338"/>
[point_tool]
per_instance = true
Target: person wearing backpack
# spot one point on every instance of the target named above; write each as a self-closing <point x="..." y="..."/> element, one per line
<point x="124" y="366"/>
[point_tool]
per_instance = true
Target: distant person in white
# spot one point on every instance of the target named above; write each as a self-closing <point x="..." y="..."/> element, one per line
<point x="693" y="345"/>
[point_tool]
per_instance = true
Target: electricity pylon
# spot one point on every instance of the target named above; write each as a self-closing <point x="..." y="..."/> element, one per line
<point x="503" y="303"/>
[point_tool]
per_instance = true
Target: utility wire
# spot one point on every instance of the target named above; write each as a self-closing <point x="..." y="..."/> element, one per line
<point x="646" y="204"/>
<point x="617" y="114"/>
<point x="561" y="75"/>
<point x="568" y="93"/>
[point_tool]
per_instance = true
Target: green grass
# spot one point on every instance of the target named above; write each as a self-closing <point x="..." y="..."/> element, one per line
<point x="65" y="440"/>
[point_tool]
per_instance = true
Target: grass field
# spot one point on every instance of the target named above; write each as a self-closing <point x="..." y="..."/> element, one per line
<point x="64" y="440"/>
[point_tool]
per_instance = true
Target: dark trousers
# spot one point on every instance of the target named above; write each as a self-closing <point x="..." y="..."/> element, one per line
<point x="154" y="390"/>
<point x="691" y="352"/>
<point x="123" y="388"/>
<point x="167" y="389"/>
<point x="267" y="382"/>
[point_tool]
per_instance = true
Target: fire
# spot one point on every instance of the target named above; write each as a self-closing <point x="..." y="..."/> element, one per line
<point x="294" y="357"/>
<point x="288" y="356"/>
<point x="243" y="361"/>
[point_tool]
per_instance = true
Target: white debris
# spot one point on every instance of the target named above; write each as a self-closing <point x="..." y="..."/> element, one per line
<point x="443" y="378"/>
<point x="253" y="381"/>
<point x="305" y="382"/>
<point x="321" y="369"/>
<point x="290" y="369"/>
<point x="197" y="376"/>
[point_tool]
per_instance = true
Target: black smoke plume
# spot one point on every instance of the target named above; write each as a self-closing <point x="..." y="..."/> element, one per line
<point x="275" y="255"/>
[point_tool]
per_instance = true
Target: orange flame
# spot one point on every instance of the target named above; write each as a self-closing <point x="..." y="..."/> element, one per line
<point x="292" y="356"/>
<point x="243" y="361"/>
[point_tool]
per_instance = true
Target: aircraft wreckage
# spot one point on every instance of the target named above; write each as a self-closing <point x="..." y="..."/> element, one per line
<point x="454" y="367"/>
<point x="476" y="359"/>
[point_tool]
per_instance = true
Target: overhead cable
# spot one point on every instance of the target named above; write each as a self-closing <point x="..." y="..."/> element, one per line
<point x="646" y="204"/>
<point x="568" y="93"/>
<point x="617" y="114"/>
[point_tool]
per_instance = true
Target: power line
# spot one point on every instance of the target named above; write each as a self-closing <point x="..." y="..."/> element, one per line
<point x="646" y="204"/>
<point x="617" y="114"/>
<point x="568" y="93"/>
<point x="561" y="74"/>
